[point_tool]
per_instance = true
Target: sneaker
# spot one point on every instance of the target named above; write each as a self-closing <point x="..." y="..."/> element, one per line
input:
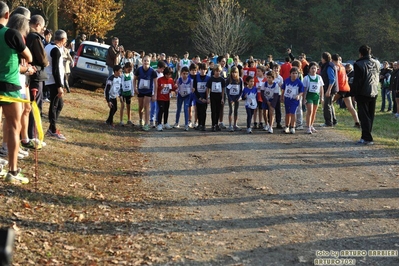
<point x="121" y="124"/>
<point x="287" y="130"/>
<point x="249" y="130"/>
<point x="31" y="145"/>
<point x="186" y="127"/>
<point x="299" y="128"/>
<point x="176" y="125"/>
<point x="190" y="124"/>
<point x="38" y="142"/>
<point x="152" y="124"/>
<point x="397" y="115"/>
<point x="129" y="122"/>
<point x="255" y="125"/>
<point x="357" y="125"/>
<point x="18" y="178"/>
<point x="222" y="126"/>
<point x="279" y="126"/>
<point x="309" y="131"/>
<point x="365" y="142"/>
<point x="58" y="134"/>
<point x="270" y="130"/>
<point x="237" y="128"/>
<point x="231" y="129"/>
<point x="146" y="127"/>
<point x="266" y="128"/>
<point x="213" y="129"/>
<point x="292" y="130"/>
<point x="3" y="162"/>
<point x="313" y="129"/>
<point x="4" y="153"/>
<point x="23" y="152"/>
<point x="159" y="127"/>
<point x="167" y="126"/>
<point x="325" y="125"/>
<point x="218" y="128"/>
<point x="261" y="126"/>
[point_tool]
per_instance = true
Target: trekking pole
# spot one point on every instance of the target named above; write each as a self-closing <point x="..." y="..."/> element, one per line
<point x="34" y="92"/>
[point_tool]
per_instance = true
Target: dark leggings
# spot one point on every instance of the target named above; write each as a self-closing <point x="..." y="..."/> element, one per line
<point x="201" y="111"/>
<point x="250" y="113"/>
<point x="163" y="109"/>
<point x="216" y="103"/>
<point x="236" y="104"/>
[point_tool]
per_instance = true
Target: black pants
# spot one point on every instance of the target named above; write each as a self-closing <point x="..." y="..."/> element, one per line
<point x="56" y="105"/>
<point x="201" y="111"/>
<point x="216" y="106"/>
<point x="38" y="85"/>
<point x="112" y="111"/>
<point x="277" y="110"/>
<point x="163" y="110"/>
<point x="250" y="114"/>
<point x="395" y="107"/>
<point x="365" y="110"/>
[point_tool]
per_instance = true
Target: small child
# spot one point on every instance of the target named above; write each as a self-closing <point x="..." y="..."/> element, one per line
<point x="126" y="92"/>
<point x="193" y="101"/>
<point x="111" y="93"/>
<point x="234" y="90"/>
<point x="279" y="80"/>
<point x="201" y="94"/>
<point x="216" y="86"/>
<point x="249" y="94"/>
<point x="165" y="86"/>
<point x="271" y="97"/>
<point x="260" y="81"/>
<point x="313" y="84"/>
<point x="292" y="91"/>
<point x="185" y="87"/>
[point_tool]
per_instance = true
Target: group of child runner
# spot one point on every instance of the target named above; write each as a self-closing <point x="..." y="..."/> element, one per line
<point x="261" y="90"/>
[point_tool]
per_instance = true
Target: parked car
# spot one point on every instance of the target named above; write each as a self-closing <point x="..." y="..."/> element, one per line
<point x="89" y="63"/>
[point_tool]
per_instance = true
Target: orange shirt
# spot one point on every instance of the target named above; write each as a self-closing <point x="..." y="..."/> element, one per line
<point x="343" y="84"/>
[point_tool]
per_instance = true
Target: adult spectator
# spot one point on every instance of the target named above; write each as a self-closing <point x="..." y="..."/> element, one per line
<point x="113" y="55"/>
<point x="302" y="59"/>
<point x="385" y="78"/>
<point x="79" y="39"/>
<point x="11" y="44"/>
<point x="286" y="68"/>
<point x="34" y="42"/>
<point x="365" y="90"/>
<point x="329" y="76"/>
<point x="394" y="86"/>
<point x="55" y="71"/>
<point x="48" y="34"/>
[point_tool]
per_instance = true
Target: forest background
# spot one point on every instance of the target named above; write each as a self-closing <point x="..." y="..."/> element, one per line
<point x="267" y="26"/>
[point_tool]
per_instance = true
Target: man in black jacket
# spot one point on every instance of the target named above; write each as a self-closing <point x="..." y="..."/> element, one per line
<point x="34" y="42"/>
<point x="365" y="90"/>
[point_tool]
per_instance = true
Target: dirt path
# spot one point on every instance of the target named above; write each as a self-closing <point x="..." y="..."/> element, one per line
<point x="262" y="199"/>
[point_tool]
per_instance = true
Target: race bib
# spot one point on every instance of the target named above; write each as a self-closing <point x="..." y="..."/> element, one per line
<point x="251" y="73"/>
<point x="291" y="91"/>
<point x="269" y="93"/>
<point x="313" y="87"/>
<point x="201" y="87"/>
<point x="166" y="88"/>
<point x="234" y="89"/>
<point x="216" y="87"/>
<point x="185" y="89"/>
<point x="144" y="84"/>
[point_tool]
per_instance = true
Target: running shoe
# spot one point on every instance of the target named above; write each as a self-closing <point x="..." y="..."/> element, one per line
<point x="222" y="126"/>
<point x="237" y="128"/>
<point x="249" y="130"/>
<point x="167" y="126"/>
<point x="176" y="125"/>
<point x="287" y="130"/>
<point x="313" y="129"/>
<point x="57" y="134"/>
<point x="16" y="179"/>
<point x="31" y="145"/>
<point x="159" y="127"/>
<point x="309" y="131"/>
<point x="270" y="130"/>
<point x="186" y="127"/>
<point x="231" y="129"/>
<point x="146" y="127"/>
<point x="292" y="130"/>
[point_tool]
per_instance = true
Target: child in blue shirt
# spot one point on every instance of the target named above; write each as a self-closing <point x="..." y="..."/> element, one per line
<point x="291" y="92"/>
<point x="249" y="94"/>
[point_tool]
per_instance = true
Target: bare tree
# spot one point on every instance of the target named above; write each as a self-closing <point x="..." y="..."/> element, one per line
<point x="221" y="27"/>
